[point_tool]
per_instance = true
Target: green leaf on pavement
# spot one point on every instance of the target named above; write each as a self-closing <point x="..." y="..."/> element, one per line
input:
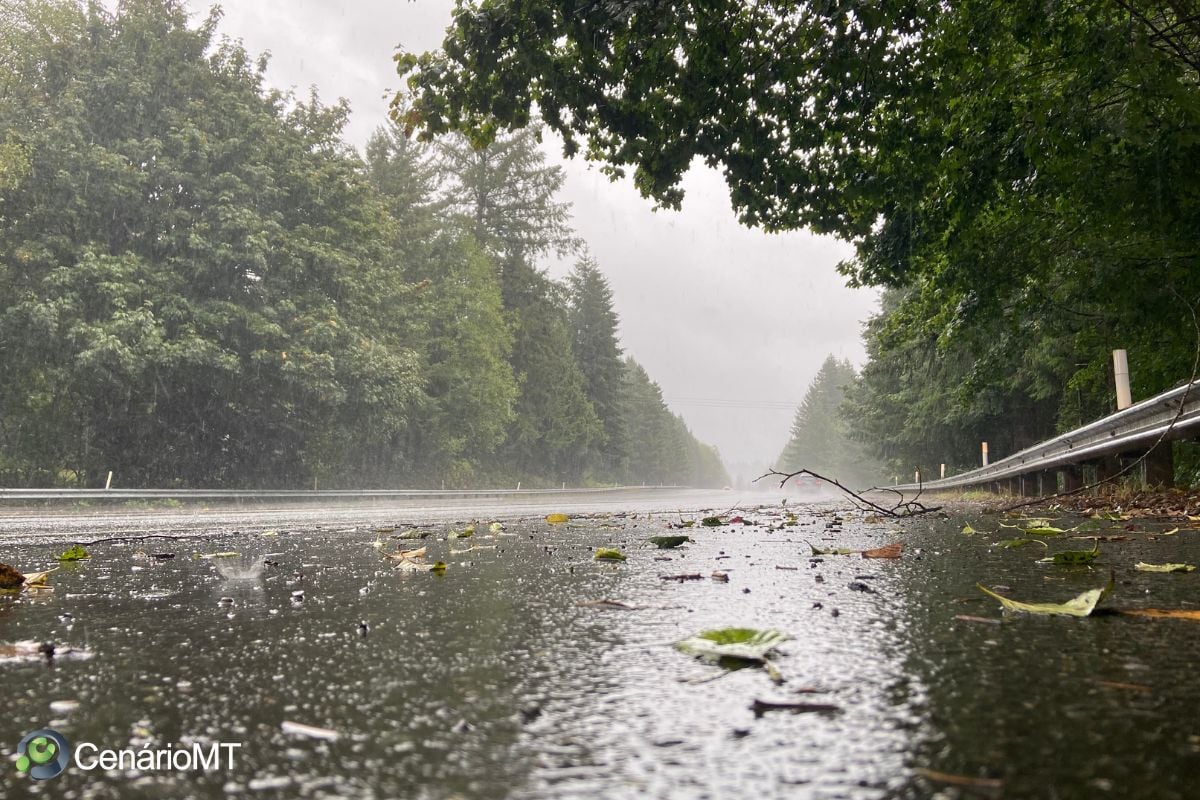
<point x="74" y="553"/>
<point x="665" y="542"/>
<point x="609" y="554"/>
<point x="1073" y="557"/>
<point x="1079" y="606"/>
<point x="831" y="551"/>
<point x="743" y="644"/>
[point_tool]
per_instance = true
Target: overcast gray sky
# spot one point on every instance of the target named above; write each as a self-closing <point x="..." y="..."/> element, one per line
<point x="732" y="323"/>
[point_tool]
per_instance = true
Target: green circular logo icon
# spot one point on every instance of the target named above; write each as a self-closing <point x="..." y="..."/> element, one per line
<point x="43" y="754"/>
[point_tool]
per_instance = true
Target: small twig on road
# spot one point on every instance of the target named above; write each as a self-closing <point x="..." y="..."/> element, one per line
<point x="111" y="539"/>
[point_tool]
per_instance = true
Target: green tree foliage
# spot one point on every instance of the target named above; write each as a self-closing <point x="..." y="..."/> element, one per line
<point x="594" y="343"/>
<point x="458" y="313"/>
<point x="404" y="172"/>
<point x="204" y="285"/>
<point x="507" y="195"/>
<point x="662" y="450"/>
<point x="196" y="278"/>
<point x="555" y="428"/>
<point x="470" y="385"/>
<point x="1025" y="171"/>
<point x="819" y="439"/>
<point x="920" y="403"/>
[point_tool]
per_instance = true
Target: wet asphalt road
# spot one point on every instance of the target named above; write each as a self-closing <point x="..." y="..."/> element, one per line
<point x="500" y="678"/>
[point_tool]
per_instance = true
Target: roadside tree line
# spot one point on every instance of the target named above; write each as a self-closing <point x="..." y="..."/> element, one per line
<point x="204" y="285"/>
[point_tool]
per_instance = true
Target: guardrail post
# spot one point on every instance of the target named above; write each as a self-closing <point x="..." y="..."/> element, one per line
<point x="1121" y="374"/>
<point x="1158" y="470"/>
<point x="1072" y="478"/>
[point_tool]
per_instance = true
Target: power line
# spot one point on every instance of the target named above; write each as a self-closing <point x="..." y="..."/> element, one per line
<point x="719" y="402"/>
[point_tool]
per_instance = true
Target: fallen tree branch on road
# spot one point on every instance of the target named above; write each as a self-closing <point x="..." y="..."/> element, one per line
<point x="902" y="508"/>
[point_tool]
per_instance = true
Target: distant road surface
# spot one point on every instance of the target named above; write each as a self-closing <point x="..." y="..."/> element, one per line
<point x="80" y="522"/>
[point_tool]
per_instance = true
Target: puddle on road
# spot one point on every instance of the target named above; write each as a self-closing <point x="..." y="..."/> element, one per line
<point x="343" y="676"/>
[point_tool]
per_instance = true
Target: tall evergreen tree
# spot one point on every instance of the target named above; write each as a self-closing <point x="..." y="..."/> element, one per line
<point x="819" y="441"/>
<point x="594" y="342"/>
<point x="402" y="169"/>
<point x="469" y="385"/>
<point x="662" y="450"/>
<point x="555" y="427"/>
<point x="507" y="195"/>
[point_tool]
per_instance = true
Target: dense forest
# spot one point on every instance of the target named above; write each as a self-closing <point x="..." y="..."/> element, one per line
<point x="1022" y="178"/>
<point x="204" y="285"/>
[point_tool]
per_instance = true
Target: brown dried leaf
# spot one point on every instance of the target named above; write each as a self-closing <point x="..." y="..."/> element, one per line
<point x="887" y="551"/>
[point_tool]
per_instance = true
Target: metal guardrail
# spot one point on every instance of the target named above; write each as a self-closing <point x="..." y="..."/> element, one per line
<point x="1138" y="426"/>
<point x="306" y="495"/>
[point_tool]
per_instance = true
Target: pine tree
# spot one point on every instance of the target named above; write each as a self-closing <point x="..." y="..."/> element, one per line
<point x="594" y="343"/>
<point x="818" y="437"/>
<point x="555" y="427"/>
<point x="507" y="195"/>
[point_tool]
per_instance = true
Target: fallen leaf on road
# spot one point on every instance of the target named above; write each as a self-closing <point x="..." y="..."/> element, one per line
<point x="887" y="551"/>
<point x="831" y="551"/>
<point x="557" y="519"/>
<point x="735" y="647"/>
<point x="412" y="533"/>
<point x="1142" y="566"/>
<point x="74" y="553"/>
<point x="1072" y="557"/>
<point x="1162" y="613"/>
<point x="1079" y="606"/>
<point x="11" y="580"/>
<point x="406" y="554"/>
<point x="665" y="542"/>
<point x="609" y="554"/>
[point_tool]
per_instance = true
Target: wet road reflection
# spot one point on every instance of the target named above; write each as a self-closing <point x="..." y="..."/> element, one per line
<point x="493" y="680"/>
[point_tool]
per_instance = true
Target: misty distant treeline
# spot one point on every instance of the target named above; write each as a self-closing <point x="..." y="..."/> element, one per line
<point x="201" y="284"/>
<point x="821" y="438"/>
